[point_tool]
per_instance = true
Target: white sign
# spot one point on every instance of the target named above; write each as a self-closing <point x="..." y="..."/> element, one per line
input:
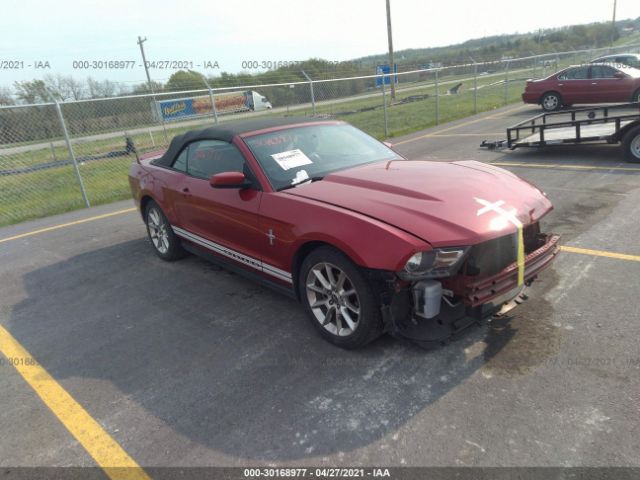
<point x="291" y="159"/>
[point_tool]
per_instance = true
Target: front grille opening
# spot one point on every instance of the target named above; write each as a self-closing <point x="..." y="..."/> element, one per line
<point x="531" y="234"/>
<point x="491" y="257"/>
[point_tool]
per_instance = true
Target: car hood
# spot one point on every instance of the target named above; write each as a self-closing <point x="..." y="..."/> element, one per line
<point x="443" y="203"/>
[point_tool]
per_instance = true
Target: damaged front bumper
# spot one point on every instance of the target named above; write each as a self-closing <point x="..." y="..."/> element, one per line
<point x="460" y="301"/>
<point x="475" y="292"/>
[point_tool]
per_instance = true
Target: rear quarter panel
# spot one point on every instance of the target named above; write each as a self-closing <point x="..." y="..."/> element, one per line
<point x="534" y="90"/>
<point x="158" y="183"/>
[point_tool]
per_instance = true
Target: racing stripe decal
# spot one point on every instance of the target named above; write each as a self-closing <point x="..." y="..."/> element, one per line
<point x="234" y="255"/>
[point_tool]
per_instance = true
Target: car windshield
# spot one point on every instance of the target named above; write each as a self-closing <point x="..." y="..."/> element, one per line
<point x="302" y="154"/>
<point x="632" y="72"/>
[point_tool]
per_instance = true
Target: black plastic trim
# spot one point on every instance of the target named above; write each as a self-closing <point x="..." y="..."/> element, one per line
<point x="211" y="257"/>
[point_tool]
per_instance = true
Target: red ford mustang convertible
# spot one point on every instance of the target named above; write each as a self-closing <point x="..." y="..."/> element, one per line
<point x="368" y="241"/>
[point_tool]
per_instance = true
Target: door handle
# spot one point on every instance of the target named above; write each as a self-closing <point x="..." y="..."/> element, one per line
<point x="594" y="83"/>
<point x="186" y="192"/>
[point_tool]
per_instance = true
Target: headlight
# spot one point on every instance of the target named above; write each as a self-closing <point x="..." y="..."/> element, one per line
<point x="440" y="262"/>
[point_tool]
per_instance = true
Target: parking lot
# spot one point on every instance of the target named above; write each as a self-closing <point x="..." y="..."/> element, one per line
<point x="186" y="364"/>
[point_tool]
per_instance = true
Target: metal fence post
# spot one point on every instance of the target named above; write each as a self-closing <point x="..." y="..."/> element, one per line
<point x="71" y="154"/>
<point x="213" y="105"/>
<point x="313" y="97"/>
<point x="475" y="87"/>
<point x="437" y="100"/>
<point x="53" y="151"/>
<point x="533" y="65"/>
<point x="506" y="84"/>
<point x="211" y="97"/>
<point x="384" y="107"/>
<point x="156" y="114"/>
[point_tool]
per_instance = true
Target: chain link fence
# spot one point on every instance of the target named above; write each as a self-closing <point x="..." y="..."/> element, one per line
<point x="57" y="157"/>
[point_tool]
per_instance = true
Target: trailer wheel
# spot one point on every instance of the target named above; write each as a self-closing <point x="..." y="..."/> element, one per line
<point x="551" y="102"/>
<point x="631" y="145"/>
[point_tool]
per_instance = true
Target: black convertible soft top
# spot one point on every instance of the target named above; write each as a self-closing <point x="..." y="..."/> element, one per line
<point x="225" y="132"/>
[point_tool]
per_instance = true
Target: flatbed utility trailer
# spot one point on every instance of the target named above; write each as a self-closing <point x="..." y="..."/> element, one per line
<point x="611" y="124"/>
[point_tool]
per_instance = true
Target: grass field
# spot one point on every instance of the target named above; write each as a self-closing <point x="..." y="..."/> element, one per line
<point x="56" y="190"/>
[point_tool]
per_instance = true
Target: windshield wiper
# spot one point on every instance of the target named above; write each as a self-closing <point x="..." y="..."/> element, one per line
<point x="306" y="180"/>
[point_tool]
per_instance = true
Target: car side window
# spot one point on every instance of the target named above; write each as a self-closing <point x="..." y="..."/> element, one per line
<point x="578" y="73"/>
<point x="208" y="157"/>
<point x="602" y="71"/>
<point x="180" y="163"/>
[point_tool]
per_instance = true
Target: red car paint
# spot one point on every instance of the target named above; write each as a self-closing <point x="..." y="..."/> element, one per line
<point x="378" y="214"/>
<point x="590" y="89"/>
<point x="433" y="200"/>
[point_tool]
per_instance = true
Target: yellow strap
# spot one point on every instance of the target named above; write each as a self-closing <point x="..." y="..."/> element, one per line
<point x="520" y="255"/>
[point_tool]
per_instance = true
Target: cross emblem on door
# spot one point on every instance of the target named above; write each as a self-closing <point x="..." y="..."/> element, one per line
<point x="271" y="236"/>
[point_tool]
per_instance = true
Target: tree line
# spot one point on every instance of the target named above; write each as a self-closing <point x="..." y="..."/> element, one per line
<point x="67" y="87"/>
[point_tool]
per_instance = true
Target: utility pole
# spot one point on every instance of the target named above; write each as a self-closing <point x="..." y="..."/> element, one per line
<point x="390" y="36"/>
<point x="144" y="61"/>
<point x="613" y="24"/>
<point x="156" y="106"/>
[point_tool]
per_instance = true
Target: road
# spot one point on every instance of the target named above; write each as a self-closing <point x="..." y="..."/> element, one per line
<point x="185" y="364"/>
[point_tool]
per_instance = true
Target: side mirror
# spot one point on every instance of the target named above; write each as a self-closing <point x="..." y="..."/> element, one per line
<point x="229" y="180"/>
<point x="619" y="75"/>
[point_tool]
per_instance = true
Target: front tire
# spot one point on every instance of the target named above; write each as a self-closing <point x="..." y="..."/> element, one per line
<point x="631" y="145"/>
<point x="551" y="102"/>
<point x="164" y="241"/>
<point x="338" y="299"/>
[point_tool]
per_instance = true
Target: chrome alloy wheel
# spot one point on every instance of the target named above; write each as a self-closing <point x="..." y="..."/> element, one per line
<point x="333" y="299"/>
<point x="550" y="102"/>
<point x="635" y="147"/>
<point x="158" y="230"/>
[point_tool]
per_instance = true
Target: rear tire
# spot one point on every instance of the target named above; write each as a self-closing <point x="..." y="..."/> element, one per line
<point x="551" y="102"/>
<point x="631" y="145"/>
<point x="165" y="242"/>
<point x="338" y="299"/>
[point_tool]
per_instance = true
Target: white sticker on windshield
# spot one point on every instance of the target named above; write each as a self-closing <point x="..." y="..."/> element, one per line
<point x="291" y="159"/>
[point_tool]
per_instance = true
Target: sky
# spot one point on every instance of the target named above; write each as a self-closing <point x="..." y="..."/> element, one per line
<point x="33" y="32"/>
